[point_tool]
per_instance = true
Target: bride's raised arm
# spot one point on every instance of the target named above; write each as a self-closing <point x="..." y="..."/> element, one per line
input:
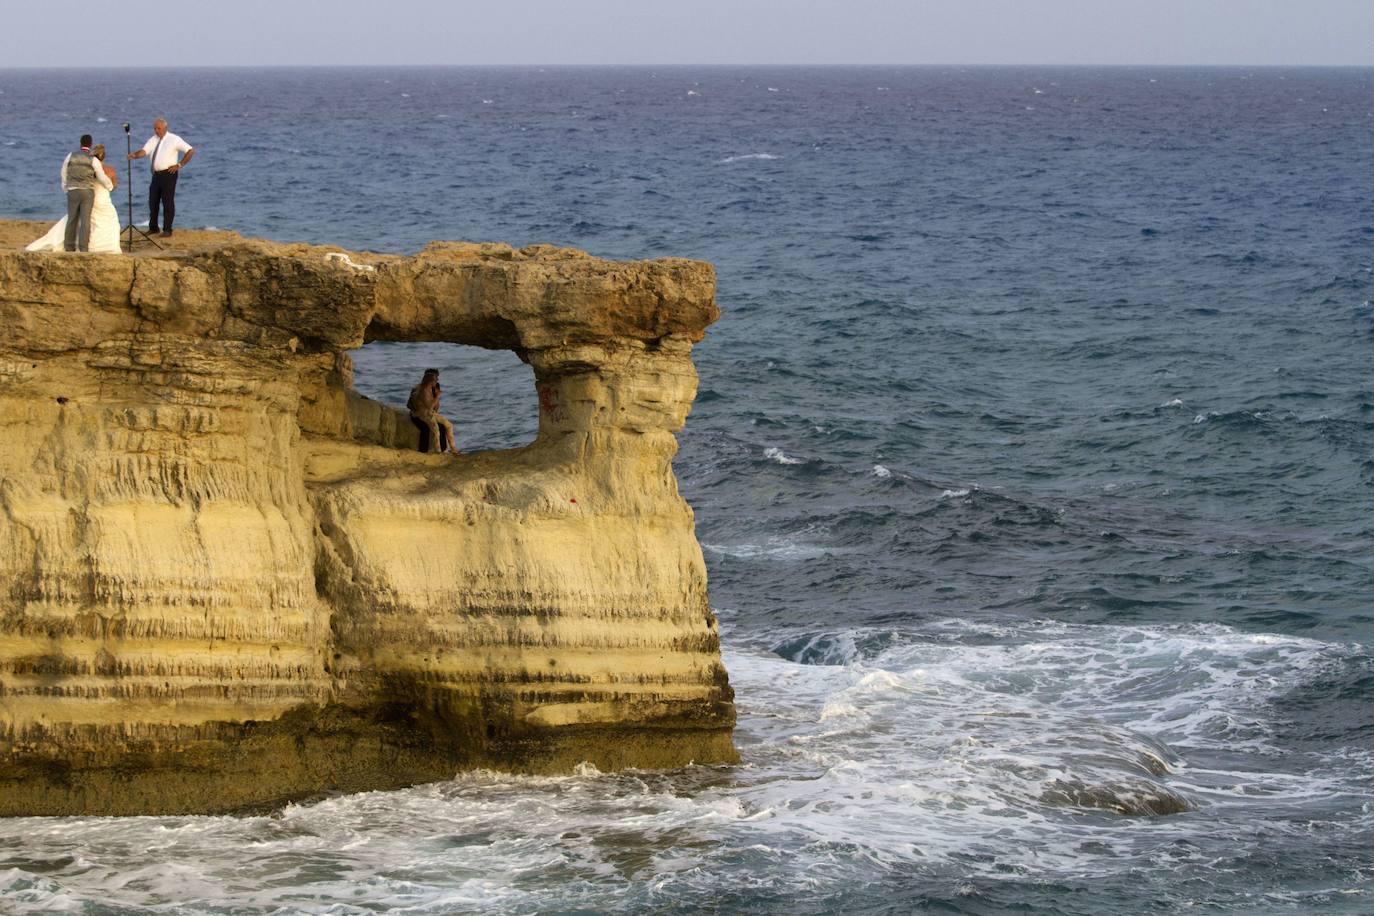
<point x="110" y="173"/>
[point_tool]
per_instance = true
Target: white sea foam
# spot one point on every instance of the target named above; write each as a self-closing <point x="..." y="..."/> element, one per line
<point x="772" y="549"/>
<point x="781" y="457"/>
<point x="953" y="751"/>
<point x="837" y="710"/>
<point x="954" y="494"/>
<point x="880" y="471"/>
<point x="747" y="156"/>
<point x="1176" y="402"/>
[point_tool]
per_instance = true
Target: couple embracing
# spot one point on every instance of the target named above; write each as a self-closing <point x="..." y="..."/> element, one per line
<point x="91" y="223"/>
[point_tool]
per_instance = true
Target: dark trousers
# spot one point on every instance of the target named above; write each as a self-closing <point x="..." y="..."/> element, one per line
<point x="424" y="436"/>
<point x="162" y="189"/>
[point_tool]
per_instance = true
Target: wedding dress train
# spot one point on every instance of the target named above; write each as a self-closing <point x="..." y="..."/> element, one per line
<point x="104" y="228"/>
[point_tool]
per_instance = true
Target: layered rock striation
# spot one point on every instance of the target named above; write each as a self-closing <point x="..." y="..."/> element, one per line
<point x="228" y="580"/>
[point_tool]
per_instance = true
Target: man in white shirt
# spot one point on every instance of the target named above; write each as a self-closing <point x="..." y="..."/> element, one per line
<point x="81" y="172"/>
<point x="166" y="150"/>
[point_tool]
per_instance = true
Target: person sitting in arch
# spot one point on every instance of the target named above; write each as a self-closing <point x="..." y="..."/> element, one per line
<point x="436" y="433"/>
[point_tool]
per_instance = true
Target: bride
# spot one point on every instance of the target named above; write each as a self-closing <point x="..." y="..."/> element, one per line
<point x="104" y="218"/>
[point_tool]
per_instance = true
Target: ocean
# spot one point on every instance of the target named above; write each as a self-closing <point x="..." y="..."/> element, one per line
<point x="1032" y="463"/>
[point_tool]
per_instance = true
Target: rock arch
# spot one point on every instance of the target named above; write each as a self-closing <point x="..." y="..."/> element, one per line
<point x="223" y="585"/>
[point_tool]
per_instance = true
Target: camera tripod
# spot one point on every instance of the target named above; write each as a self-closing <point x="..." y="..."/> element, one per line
<point x="130" y="229"/>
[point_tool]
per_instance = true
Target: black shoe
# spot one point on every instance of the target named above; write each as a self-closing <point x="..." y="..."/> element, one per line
<point x="165" y="233"/>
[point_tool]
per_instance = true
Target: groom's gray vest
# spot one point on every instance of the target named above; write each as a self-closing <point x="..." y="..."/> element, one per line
<point x="81" y="171"/>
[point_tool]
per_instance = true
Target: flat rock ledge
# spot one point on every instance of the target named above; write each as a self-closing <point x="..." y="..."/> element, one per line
<point x="228" y="581"/>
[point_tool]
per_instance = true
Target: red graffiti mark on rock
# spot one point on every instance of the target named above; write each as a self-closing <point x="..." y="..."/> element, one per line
<point x="548" y="399"/>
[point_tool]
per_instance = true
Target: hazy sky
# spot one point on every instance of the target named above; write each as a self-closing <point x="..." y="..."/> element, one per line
<point x="256" y="32"/>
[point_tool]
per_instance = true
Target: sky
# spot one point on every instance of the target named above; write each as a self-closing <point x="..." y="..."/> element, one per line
<point x="662" y="32"/>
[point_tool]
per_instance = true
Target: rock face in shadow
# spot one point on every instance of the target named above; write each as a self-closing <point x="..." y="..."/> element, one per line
<point x="228" y="580"/>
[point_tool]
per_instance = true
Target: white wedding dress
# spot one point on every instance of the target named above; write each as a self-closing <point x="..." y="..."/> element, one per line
<point x="104" y="228"/>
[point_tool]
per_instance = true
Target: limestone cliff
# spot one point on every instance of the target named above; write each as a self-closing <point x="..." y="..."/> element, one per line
<point x="227" y="580"/>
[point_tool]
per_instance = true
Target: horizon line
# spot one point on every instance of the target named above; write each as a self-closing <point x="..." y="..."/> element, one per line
<point x="472" y="66"/>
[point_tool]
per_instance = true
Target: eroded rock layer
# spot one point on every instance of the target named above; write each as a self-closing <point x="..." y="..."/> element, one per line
<point x="227" y="580"/>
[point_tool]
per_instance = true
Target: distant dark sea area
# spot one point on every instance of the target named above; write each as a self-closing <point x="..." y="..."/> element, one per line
<point x="1032" y="462"/>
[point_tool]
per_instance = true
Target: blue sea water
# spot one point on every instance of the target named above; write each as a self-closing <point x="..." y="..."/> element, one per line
<point x="1032" y="462"/>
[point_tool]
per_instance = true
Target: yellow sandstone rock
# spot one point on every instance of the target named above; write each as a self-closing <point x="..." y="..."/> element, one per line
<point x="228" y="580"/>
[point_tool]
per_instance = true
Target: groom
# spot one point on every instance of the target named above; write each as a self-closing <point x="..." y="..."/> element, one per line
<point x="165" y="149"/>
<point x="81" y="172"/>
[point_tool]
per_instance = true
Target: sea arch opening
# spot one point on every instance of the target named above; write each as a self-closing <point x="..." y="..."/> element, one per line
<point x="488" y="394"/>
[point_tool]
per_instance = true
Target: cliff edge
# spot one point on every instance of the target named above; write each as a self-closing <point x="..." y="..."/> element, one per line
<point x="227" y="580"/>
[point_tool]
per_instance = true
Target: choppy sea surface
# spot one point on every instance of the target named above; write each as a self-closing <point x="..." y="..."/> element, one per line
<point x="1032" y="462"/>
